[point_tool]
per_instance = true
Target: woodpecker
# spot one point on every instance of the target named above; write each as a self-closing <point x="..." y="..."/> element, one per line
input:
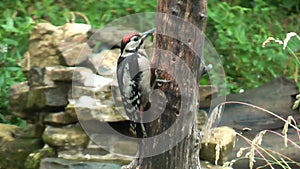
<point x="134" y="78"/>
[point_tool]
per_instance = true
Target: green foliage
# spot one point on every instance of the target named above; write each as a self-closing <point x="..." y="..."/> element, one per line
<point x="238" y="29"/>
<point x="103" y="11"/>
<point x="14" y="31"/>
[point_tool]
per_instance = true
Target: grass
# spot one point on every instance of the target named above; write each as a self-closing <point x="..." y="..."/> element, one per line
<point x="255" y="150"/>
<point x="293" y="56"/>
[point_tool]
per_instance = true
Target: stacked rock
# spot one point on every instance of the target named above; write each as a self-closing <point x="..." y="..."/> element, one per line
<point x="68" y="94"/>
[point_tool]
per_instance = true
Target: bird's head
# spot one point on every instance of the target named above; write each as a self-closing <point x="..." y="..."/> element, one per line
<point x="132" y="42"/>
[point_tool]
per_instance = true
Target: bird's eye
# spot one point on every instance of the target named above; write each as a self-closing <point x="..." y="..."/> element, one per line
<point x="136" y="38"/>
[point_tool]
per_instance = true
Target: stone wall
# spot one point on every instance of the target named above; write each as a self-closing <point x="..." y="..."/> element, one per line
<point x="67" y="83"/>
<point x="69" y="98"/>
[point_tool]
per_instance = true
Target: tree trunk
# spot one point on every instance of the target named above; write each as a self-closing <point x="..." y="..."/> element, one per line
<point x="173" y="137"/>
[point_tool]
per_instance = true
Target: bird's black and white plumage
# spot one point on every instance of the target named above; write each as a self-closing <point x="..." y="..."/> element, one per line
<point x="133" y="75"/>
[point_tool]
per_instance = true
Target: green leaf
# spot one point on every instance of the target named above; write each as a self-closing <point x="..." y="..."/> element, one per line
<point x="10" y="42"/>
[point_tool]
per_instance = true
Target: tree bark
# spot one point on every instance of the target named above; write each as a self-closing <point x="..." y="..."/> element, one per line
<point x="178" y="58"/>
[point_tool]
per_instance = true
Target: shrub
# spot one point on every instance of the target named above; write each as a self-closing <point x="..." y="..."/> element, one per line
<point x="238" y="28"/>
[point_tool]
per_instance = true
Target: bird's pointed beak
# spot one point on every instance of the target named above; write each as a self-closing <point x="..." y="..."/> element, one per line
<point x="147" y="33"/>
